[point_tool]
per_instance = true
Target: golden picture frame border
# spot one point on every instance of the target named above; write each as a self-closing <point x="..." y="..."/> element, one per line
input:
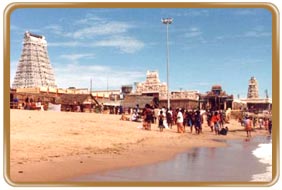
<point x="275" y="89"/>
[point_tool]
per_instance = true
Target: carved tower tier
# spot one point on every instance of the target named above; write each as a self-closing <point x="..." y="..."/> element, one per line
<point x="34" y="68"/>
<point x="253" y="88"/>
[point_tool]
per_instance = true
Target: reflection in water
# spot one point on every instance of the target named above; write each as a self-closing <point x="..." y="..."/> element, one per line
<point x="234" y="162"/>
<point x="191" y="157"/>
<point x="212" y="152"/>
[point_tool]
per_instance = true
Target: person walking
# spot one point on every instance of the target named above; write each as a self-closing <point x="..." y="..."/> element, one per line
<point x="270" y="126"/>
<point x="215" y="120"/>
<point x="198" y="122"/>
<point x="248" y="126"/>
<point x="161" y="121"/>
<point x="179" y="121"/>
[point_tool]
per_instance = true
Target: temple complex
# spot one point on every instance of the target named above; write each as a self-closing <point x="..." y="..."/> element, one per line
<point x="35" y="80"/>
<point x="34" y="69"/>
<point x="253" y="102"/>
<point x="153" y="87"/>
<point x="216" y="99"/>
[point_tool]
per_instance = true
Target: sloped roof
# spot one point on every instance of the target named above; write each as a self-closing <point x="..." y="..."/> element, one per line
<point x="72" y="98"/>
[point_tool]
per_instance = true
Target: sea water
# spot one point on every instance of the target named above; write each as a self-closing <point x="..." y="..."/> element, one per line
<point x="264" y="154"/>
<point x="246" y="160"/>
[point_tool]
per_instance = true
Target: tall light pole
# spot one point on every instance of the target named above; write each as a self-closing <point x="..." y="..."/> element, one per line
<point x="167" y="21"/>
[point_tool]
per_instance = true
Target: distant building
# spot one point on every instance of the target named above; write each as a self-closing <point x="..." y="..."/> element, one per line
<point x="253" y="102"/>
<point x="34" y="69"/>
<point x="152" y="86"/>
<point x="76" y="102"/>
<point x="253" y="88"/>
<point x="258" y="104"/>
<point x="126" y="89"/>
<point x="132" y="100"/>
<point x="216" y="99"/>
<point x="186" y="94"/>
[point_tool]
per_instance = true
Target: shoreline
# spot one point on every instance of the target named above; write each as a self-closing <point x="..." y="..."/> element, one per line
<point x="200" y="164"/>
<point x="65" y="147"/>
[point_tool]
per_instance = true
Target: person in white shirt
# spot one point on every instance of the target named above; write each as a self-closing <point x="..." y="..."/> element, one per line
<point x="179" y="121"/>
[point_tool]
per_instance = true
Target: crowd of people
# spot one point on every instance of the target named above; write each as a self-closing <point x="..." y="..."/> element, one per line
<point x="251" y="122"/>
<point x="192" y="120"/>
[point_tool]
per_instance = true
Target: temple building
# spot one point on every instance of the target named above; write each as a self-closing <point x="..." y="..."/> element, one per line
<point x="34" y="69"/>
<point x="216" y="99"/>
<point x="253" y="88"/>
<point x="152" y="86"/>
<point x="253" y="102"/>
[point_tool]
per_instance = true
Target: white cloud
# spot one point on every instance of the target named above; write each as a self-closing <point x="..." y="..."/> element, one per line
<point x="79" y="75"/>
<point x="125" y="44"/>
<point x="105" y="29"/>
<point x="193" y="32"/>
<point x="65" y="44"/>
<point x="94" y="31"/>
<point x="75" y="57"/>
<point x="89" y="20"/>
<point x="14" y="28"/>
<point x="244" y="12"/>
<point x="56" y="29"/>
<point x="193" y="13"/>
<point x="256" y="34"/>
<point x="99" y="33"/>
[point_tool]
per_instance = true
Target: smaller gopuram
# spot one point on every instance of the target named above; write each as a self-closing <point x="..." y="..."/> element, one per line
<point x="158" y="90"/>
<point x="254" y="102"/>
<point x="152" y="86"/>
<point x="253" y="88"/>
<point x="216" y="99"/>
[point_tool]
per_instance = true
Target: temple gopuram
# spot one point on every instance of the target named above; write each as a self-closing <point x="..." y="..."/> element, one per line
<point x="34" y="69"/>
<point x="152" y="86"/>
<point x="216" y="99"/>
<point x="253" y="102"/>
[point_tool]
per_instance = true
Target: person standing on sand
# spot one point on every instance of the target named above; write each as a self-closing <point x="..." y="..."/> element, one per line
<point x="169" y="118"/>
<point x="179" y="121"/>
<point x="156" y="114"/>
<point x="266" y="123"/>
<point x="161" y="121"/>
<point x="248" y="126"/>
<point x="270" y="126"/>
<point x="260" y="122"/>
<point x="215" y="120"/>
<point x="190" y="121"/>
<point x="148" y="117"/>
<point x="198" y="122"/>
<point x="209" y="117"/>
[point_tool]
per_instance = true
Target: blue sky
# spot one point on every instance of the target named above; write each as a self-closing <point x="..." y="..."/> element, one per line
<point x="207" y="46"/>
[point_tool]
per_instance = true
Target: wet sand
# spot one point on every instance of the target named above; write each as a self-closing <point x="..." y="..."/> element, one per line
<point x="47" y="147"/>
<point x="232" y="163"/>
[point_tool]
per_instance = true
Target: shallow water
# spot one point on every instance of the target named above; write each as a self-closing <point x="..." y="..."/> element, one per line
<point x="233" y="163"/>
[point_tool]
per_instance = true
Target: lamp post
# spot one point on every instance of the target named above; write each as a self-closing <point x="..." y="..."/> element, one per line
<point x="167" y="21"/>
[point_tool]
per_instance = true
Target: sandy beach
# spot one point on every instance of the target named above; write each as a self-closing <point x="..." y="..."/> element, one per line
<point x="48" y="146"/>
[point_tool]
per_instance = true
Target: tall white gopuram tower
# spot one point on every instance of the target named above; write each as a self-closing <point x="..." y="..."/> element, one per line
<point x="253" y="88"/>
<point x="34" y="68"/>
